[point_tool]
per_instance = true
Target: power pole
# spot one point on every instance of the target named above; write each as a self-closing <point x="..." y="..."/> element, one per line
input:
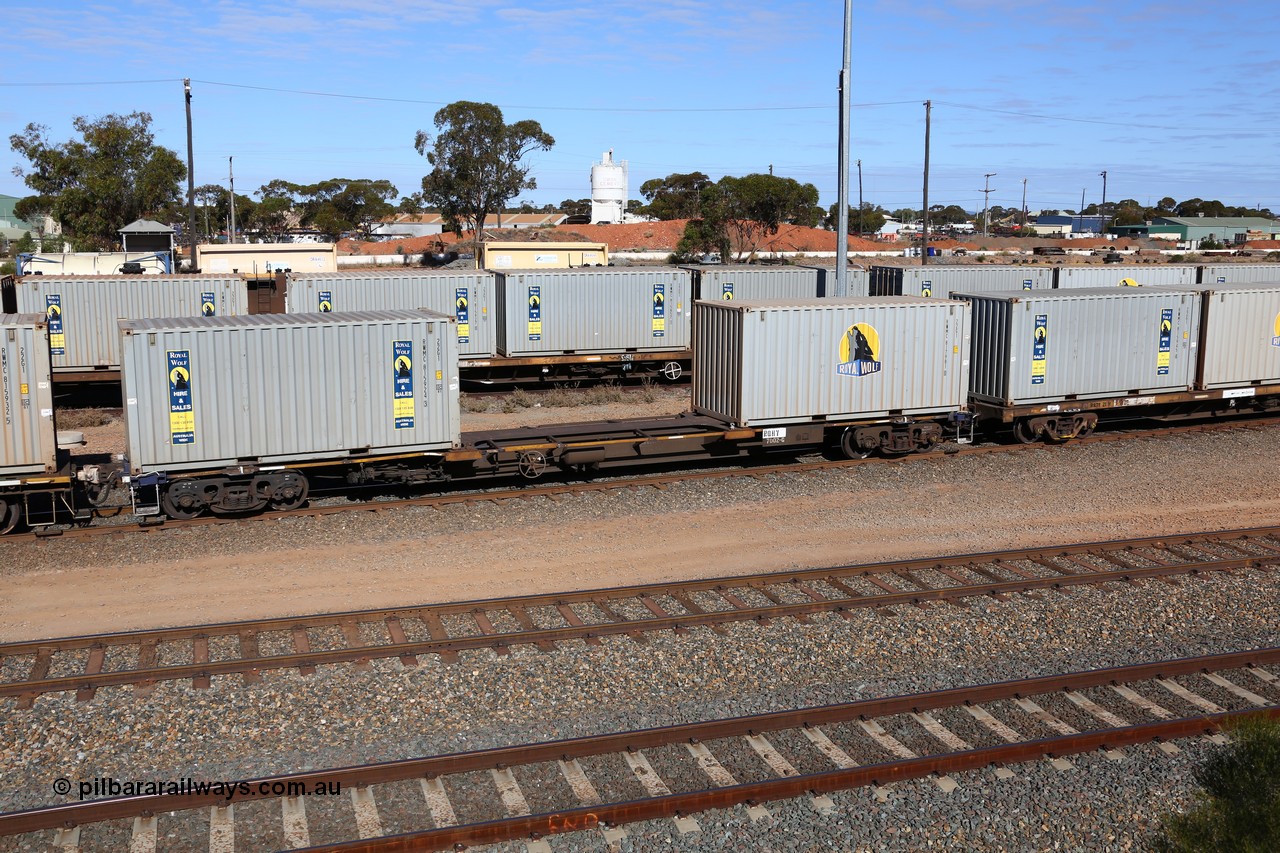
<point x="191" y="184"/>
<point x="231" y="176"/>
<point x="861" y="230"/>
<point x="1024" y="202"/>
<point x="842" y="191"/>
<point x="1082" y="189"/>
<point x="986" y="199"/>
<point x="924" y="229"/>
<point x="1103" y="210"/>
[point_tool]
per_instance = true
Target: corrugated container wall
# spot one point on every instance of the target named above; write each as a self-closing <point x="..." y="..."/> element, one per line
<point x="288" y="387"/>
<point x="797" y="361"/>
<point x="465" y="294"/>
<point x="827" y="282"/>
<point x="735" y="283"/>
<point x="29" y="444"/>
<point x="1111" y="275"/>
<point x="1239" y="335"/>
<point x="941" y="281"/>
<point x="604" y="310"/>
<point x="1046" y="346"/>
<point x="83" y="310"/>
<point x="1239" y="273"/>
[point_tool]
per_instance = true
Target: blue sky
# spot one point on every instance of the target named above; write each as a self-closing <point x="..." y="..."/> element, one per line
<point x="1173" y="98"/>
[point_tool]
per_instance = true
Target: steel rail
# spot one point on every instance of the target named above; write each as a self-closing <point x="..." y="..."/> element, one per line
<point x="96" y="811"/>
<point x="676" y="805"/>
<point x="544" y="636"/>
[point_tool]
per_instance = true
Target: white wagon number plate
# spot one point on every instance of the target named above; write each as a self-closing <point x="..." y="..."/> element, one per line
<point x="774" y="435"/>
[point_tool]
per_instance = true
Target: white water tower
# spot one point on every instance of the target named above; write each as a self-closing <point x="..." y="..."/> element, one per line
<point x="608" y="190"/>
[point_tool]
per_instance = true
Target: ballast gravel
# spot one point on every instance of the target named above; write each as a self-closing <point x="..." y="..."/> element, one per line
<point x="346" y="715"/>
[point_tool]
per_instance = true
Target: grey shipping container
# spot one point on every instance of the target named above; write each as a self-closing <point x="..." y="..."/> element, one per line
<point x="466" y="294"/>
<point x="1112" y="275"/>
<point x="1239" y="335"/>
<point x="1045" y="346"/>
<point x="827" y="282"/>
<point x="83" y="309"/>
<point x="942" y="281"/>
<point x="797" y="361"/>
<point x="284" y="388"/>
<point x="29" y="444"/>
<point x="593" y="310"/>
<point x="1239" y="273"/>
<point x="740" y="281"/>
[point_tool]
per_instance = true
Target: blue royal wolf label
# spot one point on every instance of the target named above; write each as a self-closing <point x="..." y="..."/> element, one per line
<point x="1166" y="337"/>
<point x="1026" y="284"/>
<point x="402" y="384"/>
<point x="659" y="310"/>
<point x="53" y="313"/>
<point x="859" y="351"/>
<point x="1039" y="349"/>
<point x="926" y="288"/>
<point x="726" y="291"/>
<point x="208" y="304"/>
<point x="535" y="312"/>
<point x="462" y="311"/>
<point x="182" y="415"/>
<point x="325" y="302"/>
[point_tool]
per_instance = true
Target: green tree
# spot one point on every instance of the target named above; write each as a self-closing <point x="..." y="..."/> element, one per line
<point x="576" y="207"/>
<point x="951" y="214"/>
<point x="341" y="205"/>
<point x="1238" y="807"/>
<point x="871" y="221"/>
<point x="475" y="159"/>
<point x="273" y="215"/>
<point x="700" y="237"/>
<point x="754" y="206"/>
<point x="906" y="214"/>
<point x="674" y="197"/>
<point x="95" y="185"/>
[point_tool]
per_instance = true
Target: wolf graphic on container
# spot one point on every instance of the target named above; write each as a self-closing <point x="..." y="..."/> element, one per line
<point x="859" y="349"/>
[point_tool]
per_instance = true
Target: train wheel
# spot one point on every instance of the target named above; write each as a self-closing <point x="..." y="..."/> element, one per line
<point x="849" y="446"/>
<point x="10" y="515"/>
<point x="292" y="492"/>
<point x="183" y="500"/>
<point x="1024" y="433"/>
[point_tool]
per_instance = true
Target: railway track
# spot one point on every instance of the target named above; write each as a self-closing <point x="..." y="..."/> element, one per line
<point x="611" y="483"/>
<point x="199" y="653"/>
<point x="598" y="784"/>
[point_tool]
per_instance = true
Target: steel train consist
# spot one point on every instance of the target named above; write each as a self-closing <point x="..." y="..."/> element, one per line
<point x="231" y="415"/>
<point x="590" y="323"/>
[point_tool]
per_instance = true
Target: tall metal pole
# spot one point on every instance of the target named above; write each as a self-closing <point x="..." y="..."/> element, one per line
<point x="1103" y="211"/>
<point x="842" y="191"/>
<point x="861" y="230"/>
<point x="191" y="184"/>
<point x="924" y="231"/>
<point x="986" y="200"/>
<point x="231" y="176"/>
<point x="1024" y="203"/>
<point x="1082" y="189"/>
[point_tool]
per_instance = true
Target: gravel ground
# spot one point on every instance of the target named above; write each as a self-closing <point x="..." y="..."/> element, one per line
<point x="345" y="715"/>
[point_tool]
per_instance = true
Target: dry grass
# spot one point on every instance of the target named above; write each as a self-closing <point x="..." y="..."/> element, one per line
<point x="84" y="418"/>
<point x="561" y="397"/>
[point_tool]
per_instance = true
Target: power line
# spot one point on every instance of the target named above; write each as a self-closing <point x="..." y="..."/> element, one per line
<point x="1059" y="118"/>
